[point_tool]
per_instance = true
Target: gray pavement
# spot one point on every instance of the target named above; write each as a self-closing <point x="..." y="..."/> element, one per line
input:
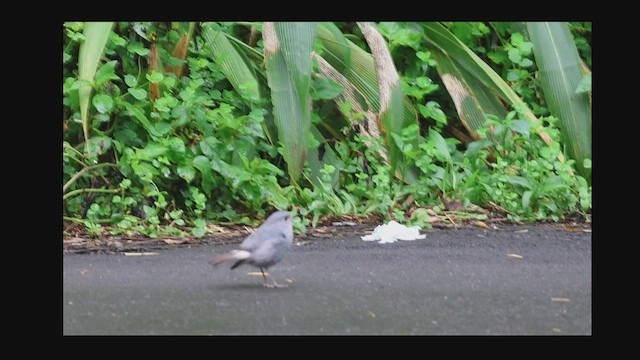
<point x="467" y="281"/>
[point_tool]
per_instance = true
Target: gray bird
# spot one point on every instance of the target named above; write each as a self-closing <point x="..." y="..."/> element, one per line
<point x="265" y="247"/>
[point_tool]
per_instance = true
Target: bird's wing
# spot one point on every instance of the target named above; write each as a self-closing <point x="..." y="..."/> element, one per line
<point x="252" y="241"/>
<point x="264" y="235"/>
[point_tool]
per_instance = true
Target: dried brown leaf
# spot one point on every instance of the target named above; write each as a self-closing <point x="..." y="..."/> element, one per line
<point x="175" y="241"/>
<point x="216" y="228"/>
<point x="480" y="224"/>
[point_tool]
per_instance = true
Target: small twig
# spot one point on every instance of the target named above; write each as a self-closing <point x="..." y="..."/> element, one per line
<point x="450" y="219"/>
<point x="82" y="156"/>
<point x="408" y="200"/>
<point x="78" y="161"/>
<point x="79" y="173"/>
<point x="76" y="192"/>
<point x="501" y="208"/>
<point x="74" y="150"/>
<point x="82" y="221"/>
<point x="73" y="179"/>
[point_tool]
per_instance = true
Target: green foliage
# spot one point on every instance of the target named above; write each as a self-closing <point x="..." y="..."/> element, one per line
<point x="527" y="179"/>
<point x="413" y="60"/>
<point x="362" y="190"/>
<point x="566" y="89"/>
<point x="197" y="153"/>
<point x="203" y="152"/>
<point x="581" y="32"/>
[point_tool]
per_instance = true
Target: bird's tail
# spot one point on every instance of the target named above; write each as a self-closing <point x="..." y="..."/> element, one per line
<point x="239" y="256"/>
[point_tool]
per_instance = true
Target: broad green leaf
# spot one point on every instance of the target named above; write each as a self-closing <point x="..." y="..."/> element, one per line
<point x="198" y="231"/>
<point x="391" y="95"/>
<point x="520" y="126"/>
<point x="126" y="136"/>
<point x="513" y="75"/>
<point x="316" y="164"/>
<point x="475" y="146"/>
<point x="244" y="149"/>
<point x="560" y="73"/>
<point x="151" y="151"/>
<point x="100" y="145"/>
<point x="263" y="167"/>
<point x="177" y="144"/>
<point x="232" y="173"/>
<point x="526" y="198"/>
<point x="137" y="48"/>
<point x="149" y="211"/>
<point x="514" y="55"/>
<point x="141" y="117"/>
<point x="550" y="184"/>
<point x="155" y="77"/>
<point x="70" y="84"/>
<point x="233" y="63"/>
<point x="519" y="180"/>
<point x="398" y="140"/>
<point x="130" y="80"/>
<point x="162" y="128"/>
<point x="549" y="204"/>
<point x="297" y="41"/>
<point x="526" y="62"/>
<point x="439" y="37"/>
<point x="325" y="89"/>
<point x="186" y="172"/>
<point x="350" y="102"/>
<point x="287" y="48"/>
<point x="144" y="170"/>
<point x="166" y="103"/>
<point x="103" y="103"/>
<point x="275" y="196"/>
<point x="96" y="35"/>
<point x="584" y="86"/>
<point x="117" y="40"/>
<point x="138" y="93"/>
<point x="203" y="164"/>
<point x="440" y="143"/>
<point x="107" y="73"/>
<point x="208" y="145"/>
<point x="473" y="100"/>
<point x="432" y="111"/>
<point x="169" y="82"/>
<point x="357" y="68"/>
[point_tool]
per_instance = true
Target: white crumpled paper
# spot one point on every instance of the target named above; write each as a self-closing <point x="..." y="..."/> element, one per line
<point x="392" y="232"/>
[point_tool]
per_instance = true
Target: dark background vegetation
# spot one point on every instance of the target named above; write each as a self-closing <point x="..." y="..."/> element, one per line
<point x="175" y="145"/>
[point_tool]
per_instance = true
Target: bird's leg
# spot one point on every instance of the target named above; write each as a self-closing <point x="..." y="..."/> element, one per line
<point x="273" y="281"/>
<point x="263" y="275"/>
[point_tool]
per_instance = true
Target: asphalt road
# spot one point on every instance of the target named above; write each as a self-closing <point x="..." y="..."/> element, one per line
<point x="527" y="280"/>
